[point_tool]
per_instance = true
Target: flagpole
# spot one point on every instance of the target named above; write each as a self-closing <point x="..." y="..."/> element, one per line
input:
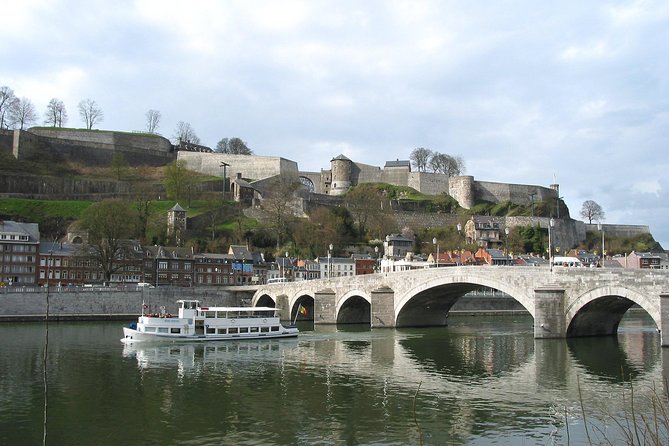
<point x="296" y="313"/>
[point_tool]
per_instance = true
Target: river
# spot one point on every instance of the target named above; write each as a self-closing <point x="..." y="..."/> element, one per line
<point x="482" y="380"/>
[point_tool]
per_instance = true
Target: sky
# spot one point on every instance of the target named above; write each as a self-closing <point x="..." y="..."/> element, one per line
<point x="525" y="91"/>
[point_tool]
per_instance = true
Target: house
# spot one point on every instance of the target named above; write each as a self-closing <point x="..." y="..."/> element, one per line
<point x="484" y="231"/>
<point x="396" y="246"/>
<point x="364" y="264"/>
<point x="19" y="243"/>
<point x="493" y="257"/>
<point x="336" y="266"/>
<point x="640" y="260"/>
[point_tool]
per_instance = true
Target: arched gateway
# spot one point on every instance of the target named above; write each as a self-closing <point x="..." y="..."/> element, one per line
<point x="564" y="302"/>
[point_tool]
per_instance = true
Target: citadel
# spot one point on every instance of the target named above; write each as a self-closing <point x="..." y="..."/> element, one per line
<point x="250" y="175"/>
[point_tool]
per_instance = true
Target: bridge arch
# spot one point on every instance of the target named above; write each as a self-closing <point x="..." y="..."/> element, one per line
<point x="354" y="307"/>
<point x="440" y="294"/>
<point x="600" y="310"/>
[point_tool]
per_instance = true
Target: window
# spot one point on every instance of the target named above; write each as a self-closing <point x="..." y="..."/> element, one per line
<point x="233" y="330"/>
<point x="243" y="329"/>
<point x="175" y="330"/>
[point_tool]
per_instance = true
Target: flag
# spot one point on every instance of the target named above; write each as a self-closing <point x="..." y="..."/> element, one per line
<point x="302" y="310"/>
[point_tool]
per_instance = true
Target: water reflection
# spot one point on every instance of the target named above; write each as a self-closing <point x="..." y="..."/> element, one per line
<point x="478" y="381"/>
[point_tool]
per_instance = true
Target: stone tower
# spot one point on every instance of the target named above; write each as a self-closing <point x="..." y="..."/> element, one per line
<point x="341" y="175"/>
<point x="176" y="222"/>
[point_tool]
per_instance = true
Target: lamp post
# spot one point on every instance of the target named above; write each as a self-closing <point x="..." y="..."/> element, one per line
<point x="459" y="228"/>
<point x="330" y="261"/>
<point x="284" y="264"/>
<point x="551" y="223"/>
<point x="224" y="165"/>
<point x="376" y="252"/>
<point x="506" y="242"/>
<point x="435" y="242"/>
<point x="601" y="228"/>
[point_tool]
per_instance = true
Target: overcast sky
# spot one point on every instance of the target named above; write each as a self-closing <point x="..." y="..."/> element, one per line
<point x="527" y="92"/>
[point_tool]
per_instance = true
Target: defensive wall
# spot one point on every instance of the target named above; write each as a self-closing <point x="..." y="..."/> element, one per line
<point x="94" y="147"/>
<point x="250" y="166"/>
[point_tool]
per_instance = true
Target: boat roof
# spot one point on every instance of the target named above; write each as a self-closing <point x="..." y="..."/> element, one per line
<point x="205" y="308"/>
<point x="249" y="309"/>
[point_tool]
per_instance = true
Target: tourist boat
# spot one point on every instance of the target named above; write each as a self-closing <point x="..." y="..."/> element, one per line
<point x="196" y="323"/>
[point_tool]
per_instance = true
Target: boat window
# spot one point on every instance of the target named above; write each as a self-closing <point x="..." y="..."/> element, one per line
<point x="264" y="329"/>
<point x="211" y="330"/>
<point x="243" y="329"/>
<point x="275" y="328"/>
<point x="254" y="329"/>
<point x="222" y="331"/>
<point x="162" y="329"/>
<point x="210" y="314"/>
<point x="232" y="330"/>
<point x="175" y="330"/>
<point x="150" y="329"/>
<point x="233" y="314"/>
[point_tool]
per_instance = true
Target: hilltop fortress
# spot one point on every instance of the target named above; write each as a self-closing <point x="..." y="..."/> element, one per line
<point x="344" y="174"/>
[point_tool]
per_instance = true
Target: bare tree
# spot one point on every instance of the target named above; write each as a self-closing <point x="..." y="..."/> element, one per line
<point x="592" y="211"/>
<point x="185" y="133"/>
<point x="152" y="120"/>
<point x="22" y="113"/>
<point x="108" y="223"/>
<point x="233" y="146"/>
<point x="56" y="115"/>
<point x="7" y="98"/>
<point x="90" y="113"/>
<point x="420" y="157"/>
<point x="278" y="200"/>
<point x="447" y="164"/>
<point x="455" y="166"/>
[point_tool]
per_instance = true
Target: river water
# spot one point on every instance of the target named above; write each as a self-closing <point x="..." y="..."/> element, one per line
<point x="480" y="381"/>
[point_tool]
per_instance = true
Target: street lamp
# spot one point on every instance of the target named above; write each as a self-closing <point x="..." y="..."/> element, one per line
<point x="601" y="228"/>
<point x="376" y="252"/>
<point x="224" y="165"/>
<point x="330" y="261"/>
<point x="459" y="228"/>
<point x="551" y="223"/>
<point x="506" y="241"/>
<point x="435" y="242"/>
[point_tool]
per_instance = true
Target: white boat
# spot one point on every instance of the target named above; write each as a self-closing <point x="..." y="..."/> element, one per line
<point x="196" y="323"/>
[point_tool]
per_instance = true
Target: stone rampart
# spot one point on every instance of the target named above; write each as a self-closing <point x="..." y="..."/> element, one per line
<point x="252" y="167"/>
<point x="6" y="141"/>
<point x="515" y="193"/>
<point x="95" y="147"/>
<point x="428" y="183"/>
<point x="42" y="187"/>
<point x="619" y="230"/>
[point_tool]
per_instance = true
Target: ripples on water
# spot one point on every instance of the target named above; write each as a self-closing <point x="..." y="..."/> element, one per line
<point x="479" y="381"/>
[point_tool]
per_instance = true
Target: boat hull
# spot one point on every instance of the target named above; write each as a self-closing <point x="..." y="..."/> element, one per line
<point x="130" y="335"/>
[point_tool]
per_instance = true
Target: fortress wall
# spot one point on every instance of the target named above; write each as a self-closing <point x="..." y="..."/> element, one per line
<point x="32" y="186"/>
<point x="619" y="230"/>
<point x="462" y="189"/>
<point x="419" y="220"/>
<point x="91" y="147"/>
<point x="6" y="141"/>
<point x="395" y="176"/>
<point x="568" y="233"/>
<point x="252" y="167"/>
<point x="515" y="193"/>
<point x="367" y="174"/>
<point x="428" y="183"/>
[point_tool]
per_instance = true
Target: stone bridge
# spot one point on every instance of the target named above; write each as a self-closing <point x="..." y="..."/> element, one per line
<point x="565" y="302"/>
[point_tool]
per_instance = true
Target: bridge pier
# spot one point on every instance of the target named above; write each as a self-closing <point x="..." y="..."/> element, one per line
<point x="383" y="308"/>
<point x="325" y="307"/>
<point x="549" y="314"/>
<point x="664" y="317"/>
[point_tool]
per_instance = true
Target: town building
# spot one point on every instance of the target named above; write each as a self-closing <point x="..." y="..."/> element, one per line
<point x="19" y="245"/>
